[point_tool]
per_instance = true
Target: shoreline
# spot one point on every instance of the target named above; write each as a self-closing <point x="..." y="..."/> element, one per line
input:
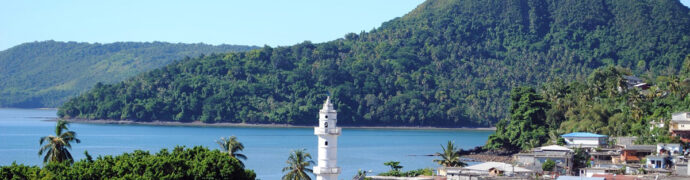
<point x="200" y="124"/>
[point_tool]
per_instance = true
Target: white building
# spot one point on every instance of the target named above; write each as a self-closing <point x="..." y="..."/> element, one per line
<point x="491" y="169"/>
<point x="656" y="124"/>
<point x="680" y="126"/>
<point x="328" y="132"/>
<point x="672" y="149"/>
<point x="585" y="140"/>
<point x="562" y="156"/>
<point x="680" y="121"/>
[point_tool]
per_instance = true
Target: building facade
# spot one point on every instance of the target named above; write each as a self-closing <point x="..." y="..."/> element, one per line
<point x="680" y="126"/>
<point x="562" y="156"/>
<point x="585" y="140"/>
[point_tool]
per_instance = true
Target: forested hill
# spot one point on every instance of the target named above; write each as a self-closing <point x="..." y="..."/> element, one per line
<point x="47" y="73"/>
<point x="448" y="63"/>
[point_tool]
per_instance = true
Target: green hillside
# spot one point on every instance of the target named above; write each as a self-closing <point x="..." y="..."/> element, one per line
<point x="604" y="103"/>
<point x="448" y="63"/>
<point x="47" y="73"/>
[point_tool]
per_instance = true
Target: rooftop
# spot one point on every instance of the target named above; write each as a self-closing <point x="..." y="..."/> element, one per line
<point x="657" y="157"/>
<point x="498" y="165"/>
<point x="556" y="154"/>
<point x="616" y="177"/>
<point x="668" y="144"/>
<point x="632" y="78"/>
<point x="554" y="148"/>
<point x="641" y="147"/>
<point x="680" y="117"/>
<point x="578" y="178"/>
<point x="583" y="134"/>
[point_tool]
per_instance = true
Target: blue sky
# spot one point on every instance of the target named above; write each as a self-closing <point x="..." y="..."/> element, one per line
<point x="248" y="22"/>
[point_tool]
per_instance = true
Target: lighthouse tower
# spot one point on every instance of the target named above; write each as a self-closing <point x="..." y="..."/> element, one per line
<point x="328" y="133"/>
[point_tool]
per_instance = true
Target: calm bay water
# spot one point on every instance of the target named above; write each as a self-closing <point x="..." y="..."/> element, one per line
<point x="267" y="149"/>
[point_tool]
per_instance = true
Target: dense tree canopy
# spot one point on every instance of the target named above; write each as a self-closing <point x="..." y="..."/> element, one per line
<point x="47" y="73"/>
<point x="604" y="103"/>
<point x="448" y="63"/>
<point x="180" y="163"/>
<point x="526" y="127"/>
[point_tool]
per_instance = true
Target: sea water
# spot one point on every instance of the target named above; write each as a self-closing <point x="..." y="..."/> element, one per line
<point x="267" y="149"/>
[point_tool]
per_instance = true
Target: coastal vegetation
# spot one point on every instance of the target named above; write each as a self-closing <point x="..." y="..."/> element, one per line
<point x="48" y="73"/>
<point x="604" y="103"/>
<point x="233" y="147"/>
<point x="396" y="170"/>
<point x="526" y="127"/>
<point x="57" y="147"/>
<point x="361" y="175"/>
<point x="448" y="63"/>
<point x="180" y="163"/>
<point x="299" y="163"/>
<point x="450" y="156"/>
<point x="411" y="173"/>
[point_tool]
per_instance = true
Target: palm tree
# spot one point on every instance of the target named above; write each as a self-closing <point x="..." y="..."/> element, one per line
<point x="298" y="165"/>
<point x="450" y="156"/>
<point x="57" y="146"/>
<point x="674" y="84"/>
<point x="233" y="147"/>
<point x="395" y="165"/>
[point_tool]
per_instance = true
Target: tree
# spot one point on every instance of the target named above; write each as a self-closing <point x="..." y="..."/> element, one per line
<point x="395" y="165"/>
<point x="179" y="163"/>
<point x="57" y="147"/>
<point x="527" y="126"/>
<point x="450" y="156"/>
<point x="548" y="165"/>
<point x="298" y="165"/>
<point x="232" y="147"/>
<point x="361" y="175"/>
<point x="580" y="159"/>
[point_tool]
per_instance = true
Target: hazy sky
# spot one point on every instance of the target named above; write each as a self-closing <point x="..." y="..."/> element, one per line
<point x="246" y="22"/>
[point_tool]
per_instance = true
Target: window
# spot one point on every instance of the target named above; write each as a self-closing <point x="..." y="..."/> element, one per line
<point x="326" y="116"/>
<point x="326" y="143"/>
<point x="325" y="124"/>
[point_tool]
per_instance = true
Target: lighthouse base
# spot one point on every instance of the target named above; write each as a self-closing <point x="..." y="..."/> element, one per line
<point x="327" y="177"/>
<point x="326" y="173"/>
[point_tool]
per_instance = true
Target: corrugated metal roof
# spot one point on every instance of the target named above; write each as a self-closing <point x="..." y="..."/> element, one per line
<point x="498" y="165"/>
<point x="583" y="134"/>
<point x="556" y="148"/>
<point x="641" y="147"/>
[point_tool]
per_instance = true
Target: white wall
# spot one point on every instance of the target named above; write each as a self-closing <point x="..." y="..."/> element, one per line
<point x="584" y="142"/>
<point x="669" y="147"/>
<point x="681" y="116"/>
<point x="680" y="126"/>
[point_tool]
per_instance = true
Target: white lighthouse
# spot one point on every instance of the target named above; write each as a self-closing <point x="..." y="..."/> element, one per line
<point x="328" y="133"/>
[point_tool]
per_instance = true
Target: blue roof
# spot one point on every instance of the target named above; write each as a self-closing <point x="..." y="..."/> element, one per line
<point x="583" y="134"/>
